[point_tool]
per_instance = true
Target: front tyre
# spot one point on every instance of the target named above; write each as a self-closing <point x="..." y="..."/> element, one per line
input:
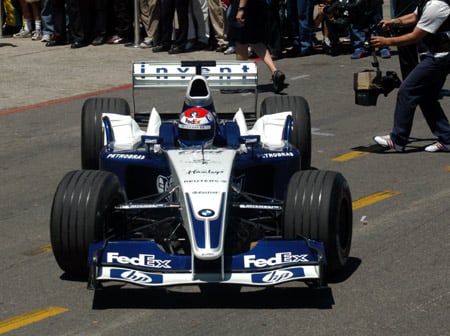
<point x="318" y="206"/>
<point x="82" y="212"/>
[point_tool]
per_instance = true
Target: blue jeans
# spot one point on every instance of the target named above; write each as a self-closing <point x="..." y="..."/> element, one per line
<point x="300" y="13"/>
<point x="358" y="36"/>
<point x="422" y="87"/>
<point x="46" y="16"/>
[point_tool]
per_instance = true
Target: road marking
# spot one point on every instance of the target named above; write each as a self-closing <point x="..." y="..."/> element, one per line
<point x="447" y="168"/>
<point x="300" y="77"/>
<point x="29" y="318"/>
<point x="39" y="250"/>
<point x="349" y="156"/>
<point x="315" y="131"/>
<point x="377" y="197"/>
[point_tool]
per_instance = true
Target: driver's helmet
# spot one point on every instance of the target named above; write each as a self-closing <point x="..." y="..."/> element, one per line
<point x="196" y="127"/>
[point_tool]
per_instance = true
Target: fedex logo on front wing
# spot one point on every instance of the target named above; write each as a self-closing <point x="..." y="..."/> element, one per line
<point x="147" y="260"/>
<point x="279" y="259"/>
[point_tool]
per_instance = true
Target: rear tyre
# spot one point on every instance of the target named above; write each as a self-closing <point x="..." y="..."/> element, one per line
<point x="301" y="132"/>
<point x="318" y="206"/>
<point x="82" y="213"/>
<point x="92" y="139"/>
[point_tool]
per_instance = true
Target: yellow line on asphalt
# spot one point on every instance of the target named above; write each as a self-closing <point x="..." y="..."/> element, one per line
<point x="45" y="248"/>
<point x="349" y="156"/>
<point x="39" y="250"/>
<point x="29" y="318"/>
<point x="447" y="168"/>
<point x="379" y="196"/>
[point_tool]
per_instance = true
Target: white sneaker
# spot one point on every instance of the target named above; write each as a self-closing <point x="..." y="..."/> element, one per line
<point x="46" y="38"/>
<point x="437" y="147"/>
<point x="37" y="35"/>
<point x="147" y="43"/>
<point x="22" y="34"/>
<point x="386" y="142"/>
<point x="230" y="50"/>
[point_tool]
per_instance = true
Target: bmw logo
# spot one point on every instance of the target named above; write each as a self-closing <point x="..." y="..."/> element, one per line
<point x="206" y="213"/>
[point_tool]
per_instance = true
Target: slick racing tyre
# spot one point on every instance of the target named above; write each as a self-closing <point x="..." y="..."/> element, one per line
<point x="82" y="212"/>
<point x="301" y="132"/>
<point x="318" y="206"/>
<point x="92" y="139"/>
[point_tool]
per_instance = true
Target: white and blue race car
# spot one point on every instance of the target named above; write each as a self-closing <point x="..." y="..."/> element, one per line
<point x="199" y="196"/>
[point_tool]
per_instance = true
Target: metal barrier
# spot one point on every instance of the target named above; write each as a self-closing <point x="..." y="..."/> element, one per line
<point x="136" y="26"/>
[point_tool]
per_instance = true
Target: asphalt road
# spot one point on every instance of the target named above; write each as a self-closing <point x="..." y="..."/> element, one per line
<point x="397" y="281"/>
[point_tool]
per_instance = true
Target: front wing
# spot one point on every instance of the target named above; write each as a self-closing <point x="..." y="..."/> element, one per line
<point x="269" y="262"/>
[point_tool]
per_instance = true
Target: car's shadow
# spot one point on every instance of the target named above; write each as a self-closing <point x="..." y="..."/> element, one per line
<point x="176" y="298"/>
<point x="269" y="88"/>
<point x="292" y="295"/>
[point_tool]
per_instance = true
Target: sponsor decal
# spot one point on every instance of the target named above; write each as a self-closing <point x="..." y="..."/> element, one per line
<point x="260" y="206"/>
<point x="147" y="260"/>
<point x="279" y="259"/>
<point x="275" y="155"/>
<point x="185" y="71"/>
<point x="125" y="156"/>
<point x="209" y="151"/>
<point x="205" y="181"/>
<point x="204" y="171"/>
<point x="206" y="213"/>
<point x="136" y="277"/>
<point x="277" y="276"/>
<point x="163" y="183"/>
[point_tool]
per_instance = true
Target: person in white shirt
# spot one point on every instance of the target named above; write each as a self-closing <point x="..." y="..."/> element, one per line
<point x="422" y="87"/>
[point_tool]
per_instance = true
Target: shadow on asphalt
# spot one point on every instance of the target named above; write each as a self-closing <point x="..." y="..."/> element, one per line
<point x="414" y="145"/>
<point x="118" y="297"/>
<point x="7" y="45"/>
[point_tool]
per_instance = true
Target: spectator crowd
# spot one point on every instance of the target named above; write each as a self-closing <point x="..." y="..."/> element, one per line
<point x="296" y="27"/>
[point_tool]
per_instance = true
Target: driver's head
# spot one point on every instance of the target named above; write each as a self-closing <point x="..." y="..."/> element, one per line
<point x="196" y="127"/>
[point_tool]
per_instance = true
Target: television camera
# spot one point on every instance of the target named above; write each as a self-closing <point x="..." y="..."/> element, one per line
<point x="363" y="15"/>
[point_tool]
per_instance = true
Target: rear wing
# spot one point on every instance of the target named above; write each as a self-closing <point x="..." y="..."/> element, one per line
<point x="219" y="74"/>
<point x="225" y="76"/>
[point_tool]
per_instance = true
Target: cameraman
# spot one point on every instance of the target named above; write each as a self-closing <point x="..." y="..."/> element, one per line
<point x="423" y="85"/>
<point x="407" y="55"/>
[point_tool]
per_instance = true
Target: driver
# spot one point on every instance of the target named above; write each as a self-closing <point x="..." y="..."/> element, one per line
<point x="196" y="127"/>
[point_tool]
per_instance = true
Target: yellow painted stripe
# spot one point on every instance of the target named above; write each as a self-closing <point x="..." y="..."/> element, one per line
<point x="447" y="168"/>
<point x="362" y="202"/>
<point x="29" y="318"/>
<point x="349" y="156"/>
<point x="39" y="250"/>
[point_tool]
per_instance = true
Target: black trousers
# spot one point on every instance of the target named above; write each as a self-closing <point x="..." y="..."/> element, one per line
<point x="122" y="22"/>
<point x="168" y="8"/>
<point x="77" y="12"/>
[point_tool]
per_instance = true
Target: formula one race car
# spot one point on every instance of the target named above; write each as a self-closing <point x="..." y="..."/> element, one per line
<point x="200" y="196"/>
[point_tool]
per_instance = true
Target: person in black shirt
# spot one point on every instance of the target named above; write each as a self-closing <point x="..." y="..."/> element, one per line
<point x="249" y="27"/>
